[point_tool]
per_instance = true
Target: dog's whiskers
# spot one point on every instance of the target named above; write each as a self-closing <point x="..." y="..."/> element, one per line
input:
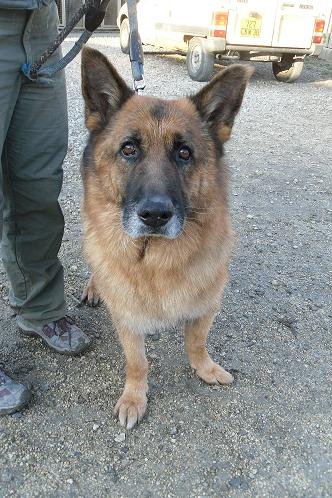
<point x="187" y="235"/>
<point x="199" y="210"/>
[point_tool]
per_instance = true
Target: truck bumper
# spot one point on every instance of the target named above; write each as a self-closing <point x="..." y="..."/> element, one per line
<point x="271" y="50"/>
<point x="215" y="45"/>
<point x="218" y="46"/>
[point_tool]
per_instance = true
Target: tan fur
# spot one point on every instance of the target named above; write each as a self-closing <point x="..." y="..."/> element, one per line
<point x="224" y="133"/>
<point x="154" y="282"/>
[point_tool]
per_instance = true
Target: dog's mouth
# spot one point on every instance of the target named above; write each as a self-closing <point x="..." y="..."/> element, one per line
<point x="142" y="222"/>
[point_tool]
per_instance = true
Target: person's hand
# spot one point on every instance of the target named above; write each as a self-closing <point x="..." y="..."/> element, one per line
<point x="95" y="14"/>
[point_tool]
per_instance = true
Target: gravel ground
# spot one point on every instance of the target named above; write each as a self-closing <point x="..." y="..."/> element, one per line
<point x="269" y="434"/>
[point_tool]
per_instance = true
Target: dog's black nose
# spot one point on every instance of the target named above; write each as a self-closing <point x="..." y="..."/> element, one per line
<point x="155" y="211"/>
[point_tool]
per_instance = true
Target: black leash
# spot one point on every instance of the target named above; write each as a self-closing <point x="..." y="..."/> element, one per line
<point x="94" y="11"/>
<point x="135" y="48"/>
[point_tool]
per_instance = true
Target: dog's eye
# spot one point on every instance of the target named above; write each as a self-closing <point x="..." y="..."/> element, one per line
<point x="184" y="153"/>
<point x="129" y="150"/>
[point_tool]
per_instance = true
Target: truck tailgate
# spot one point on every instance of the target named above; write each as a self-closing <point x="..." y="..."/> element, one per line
<point x="251" y="22"/>
<point x="294" y="24"/>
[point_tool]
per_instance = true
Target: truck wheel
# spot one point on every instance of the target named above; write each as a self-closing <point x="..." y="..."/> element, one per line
<point x="200" y="62"/>
<point x="124" y="35"/>
<point x="287" y="70"/>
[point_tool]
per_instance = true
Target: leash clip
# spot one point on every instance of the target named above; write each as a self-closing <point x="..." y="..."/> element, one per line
<point x="139" y="85"/>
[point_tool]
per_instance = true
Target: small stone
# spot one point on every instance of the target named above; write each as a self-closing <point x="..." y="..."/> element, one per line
<point x="252" y="473"/>
<point x="173" y="431"/>
<point x="70" y="481"/>
<point x="274" y="283"/>
<point x="313" y="307"/>
<point x="238" y="482"/>
<point x="44" y="387"/>
<point x="95" y="427"/>
<point x="119" y="438"/>
<point x="17" y="415"/>
<point x="153" y="356"/>
<point x="113" y="473"/>
<point x="290" y="323"/>
<point x="73" y="267"/>
<point x="7" y="475"/>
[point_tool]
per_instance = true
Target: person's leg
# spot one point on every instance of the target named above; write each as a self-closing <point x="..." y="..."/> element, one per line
<point x="35" y="146"/>
<point x="12" y="54"/>
<point x="32" y="156"/>
<point x="13" y="395"/>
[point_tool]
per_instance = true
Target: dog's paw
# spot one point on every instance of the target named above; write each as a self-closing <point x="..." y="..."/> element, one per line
<point x="90" y="295"/>
<point x="212" y="373"/>
<point x="130" y="408"/>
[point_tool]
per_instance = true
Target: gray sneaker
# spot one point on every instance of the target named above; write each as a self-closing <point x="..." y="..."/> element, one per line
<point x="61" y="335"/>
<point x="13" y="396"/>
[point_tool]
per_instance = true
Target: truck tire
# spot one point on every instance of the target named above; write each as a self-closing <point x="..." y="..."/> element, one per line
<point x="287" y="70"/>
<point x="200" y="62"/>
<point x="124" y="35"/>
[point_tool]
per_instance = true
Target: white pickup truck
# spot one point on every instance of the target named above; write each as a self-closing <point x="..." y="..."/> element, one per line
<point x="282" y="32"/>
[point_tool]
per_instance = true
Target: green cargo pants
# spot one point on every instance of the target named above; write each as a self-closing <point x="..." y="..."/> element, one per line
<point x="33" y="144"/>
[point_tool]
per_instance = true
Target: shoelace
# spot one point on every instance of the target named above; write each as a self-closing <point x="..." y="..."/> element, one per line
<point x="63" y="325"/>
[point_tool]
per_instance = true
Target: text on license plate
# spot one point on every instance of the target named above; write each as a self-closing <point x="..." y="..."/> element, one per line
<point x="251" y="27"/>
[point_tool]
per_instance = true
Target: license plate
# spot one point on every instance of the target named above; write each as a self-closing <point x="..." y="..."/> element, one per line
<point x="251" y="27"/>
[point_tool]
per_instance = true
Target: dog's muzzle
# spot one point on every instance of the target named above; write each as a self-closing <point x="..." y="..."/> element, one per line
<point x="155" y="215"/>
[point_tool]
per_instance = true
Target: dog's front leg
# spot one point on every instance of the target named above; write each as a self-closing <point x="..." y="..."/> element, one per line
<point x="131" y="406"/>
<point x="196" y="332"/>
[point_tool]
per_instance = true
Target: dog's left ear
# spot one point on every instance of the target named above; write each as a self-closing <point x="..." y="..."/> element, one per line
<point x="103" y="89"/>
<point x="220" y="100"/>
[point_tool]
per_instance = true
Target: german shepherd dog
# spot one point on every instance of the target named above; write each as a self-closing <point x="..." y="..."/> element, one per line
<point x="157" y="229"/>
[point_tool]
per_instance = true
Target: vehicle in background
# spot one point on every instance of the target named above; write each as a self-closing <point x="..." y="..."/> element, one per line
<point x="282" y="32"/>
<point x="326" y="52"/>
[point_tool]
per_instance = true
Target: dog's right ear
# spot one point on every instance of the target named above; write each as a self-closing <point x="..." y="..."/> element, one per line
<point x="103" y="89"/>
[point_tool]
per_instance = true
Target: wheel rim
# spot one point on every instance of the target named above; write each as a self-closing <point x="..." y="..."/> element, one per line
<point x="285" y="64"/>
<point x="196" y="58"/>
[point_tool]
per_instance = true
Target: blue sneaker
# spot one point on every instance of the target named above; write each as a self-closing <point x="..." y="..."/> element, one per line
<point x="13" y="396"/>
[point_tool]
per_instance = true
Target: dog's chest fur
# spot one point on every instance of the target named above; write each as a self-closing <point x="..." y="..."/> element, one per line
<point x="156" y="284"/>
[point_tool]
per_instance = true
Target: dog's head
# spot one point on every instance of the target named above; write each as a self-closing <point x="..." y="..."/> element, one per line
<point x="157" y="159"/>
